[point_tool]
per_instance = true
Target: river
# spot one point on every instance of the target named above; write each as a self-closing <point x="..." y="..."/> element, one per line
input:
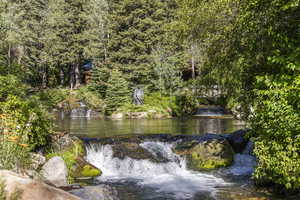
<point x="144" y="180"/>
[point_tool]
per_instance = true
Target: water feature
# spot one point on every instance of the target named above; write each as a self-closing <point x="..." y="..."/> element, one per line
<point x="100" y="128"/>
<point x="147" y="180"/>
<point x="210" y="111"/>
<point x="167" y="180"/>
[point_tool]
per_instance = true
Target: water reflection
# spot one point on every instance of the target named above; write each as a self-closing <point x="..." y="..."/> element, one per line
<point x="101" y="127"/>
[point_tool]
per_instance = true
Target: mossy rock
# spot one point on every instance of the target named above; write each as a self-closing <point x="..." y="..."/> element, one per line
<point x="134" y="151"/>
<point x="73" y="152"/>
<point x="210" y="155"/>
<point x="82" y="169"/>
<point x="184" y="147"/>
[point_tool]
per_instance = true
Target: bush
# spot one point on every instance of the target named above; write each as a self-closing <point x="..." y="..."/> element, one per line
<point x="26" y="120"/>
<point x="277" y="133"/>
<point x="10" y="85"/>
<point x="50" y="98"/>
<point x="14" y="150"/>
<point x="69" y="99"/>
<point x="186" y="103"/>
<point x="92" y="99"/>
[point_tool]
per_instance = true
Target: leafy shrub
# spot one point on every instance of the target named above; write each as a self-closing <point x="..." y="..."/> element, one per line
<point x="29" y="121"/>
<point x="10" y="85"/>
<point x="69" y="99"/>
<point x="52" y="97"/>
<point x="170" y="105"/>
<point x="277" y="132"/>
<point x="92" y="99"/>
<point x="14" y="150"/>
<point x="186" y="103"/>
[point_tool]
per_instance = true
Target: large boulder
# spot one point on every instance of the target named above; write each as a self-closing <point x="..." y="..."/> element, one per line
<point x="205" y="155"/>
<point x="55" y="171"/>
<point x="72" y="151"/>
<point x="210" y="155"/>
<point x="29" y="189"/>
<point x="99" y="192"/>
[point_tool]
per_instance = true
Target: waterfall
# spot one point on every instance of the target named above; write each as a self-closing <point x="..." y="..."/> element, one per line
<point x="210" y="111"/>
<point x="82" y="111"/>
<point x="244" y="163"/>
<point x="171" y="177"/>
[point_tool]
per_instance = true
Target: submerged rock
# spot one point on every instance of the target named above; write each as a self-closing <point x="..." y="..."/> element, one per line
<point x="55" y="171"/>
<point x="28" y="189"/>
<point x="134" y="151"/>
<point x="99" y="192"/>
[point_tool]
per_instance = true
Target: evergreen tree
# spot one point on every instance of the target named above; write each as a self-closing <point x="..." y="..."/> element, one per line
<point x="117" y="93"/>
<point x="136" y="28"/>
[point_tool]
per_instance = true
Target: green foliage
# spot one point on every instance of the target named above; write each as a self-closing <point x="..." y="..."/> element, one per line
<point x="50" y="98"/>
<point x="14" y="151"/>
<point x="30" y="121"/>
<point x="168" y="105"/>
<point x="253" y="54"/>
<point x="277" y="132"/>
<point x="117" y="93"/>
<point x="100" y="76"/>
<point x="67" y="99"/>
<point x="10" y="85"/>
<point x="186" y="103"/>
<point x="137" y="29"/>
<point x="92" y="99"/>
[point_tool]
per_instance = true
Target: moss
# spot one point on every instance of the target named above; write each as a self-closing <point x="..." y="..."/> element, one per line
<point x="70" y="156"/>
<point x="210" y="155"/>
<point x="89" y="171"/>
<point x="198" y="163"/>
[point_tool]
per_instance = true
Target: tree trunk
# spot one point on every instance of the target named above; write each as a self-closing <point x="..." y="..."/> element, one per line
<point x="193" y="61"/>
<point x="9" y="56"/>
<point x="45" y="77"/>
<point x="77" y="75"/>
<point x="71" y="75"/>
<point x="193" y="67"/>
<point x="61" y="76"/>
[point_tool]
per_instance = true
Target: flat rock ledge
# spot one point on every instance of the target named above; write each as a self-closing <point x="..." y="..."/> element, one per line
<point x="26" y="188"/>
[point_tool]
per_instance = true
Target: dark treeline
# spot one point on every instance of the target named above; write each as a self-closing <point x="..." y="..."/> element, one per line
<point x="50" y="41"/>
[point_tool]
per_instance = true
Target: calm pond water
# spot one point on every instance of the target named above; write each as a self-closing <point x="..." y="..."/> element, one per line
<point x="106" y="127"/>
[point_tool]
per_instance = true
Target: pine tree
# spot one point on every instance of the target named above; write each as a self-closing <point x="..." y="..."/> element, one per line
<point x="117" y="93"/>
<point x="136" y="29"/>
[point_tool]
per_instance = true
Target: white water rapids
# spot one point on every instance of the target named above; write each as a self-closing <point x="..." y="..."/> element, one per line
<point x="171" y="177"/>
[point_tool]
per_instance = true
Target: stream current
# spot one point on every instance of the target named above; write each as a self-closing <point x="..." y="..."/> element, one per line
<point x="172" y="180"/>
